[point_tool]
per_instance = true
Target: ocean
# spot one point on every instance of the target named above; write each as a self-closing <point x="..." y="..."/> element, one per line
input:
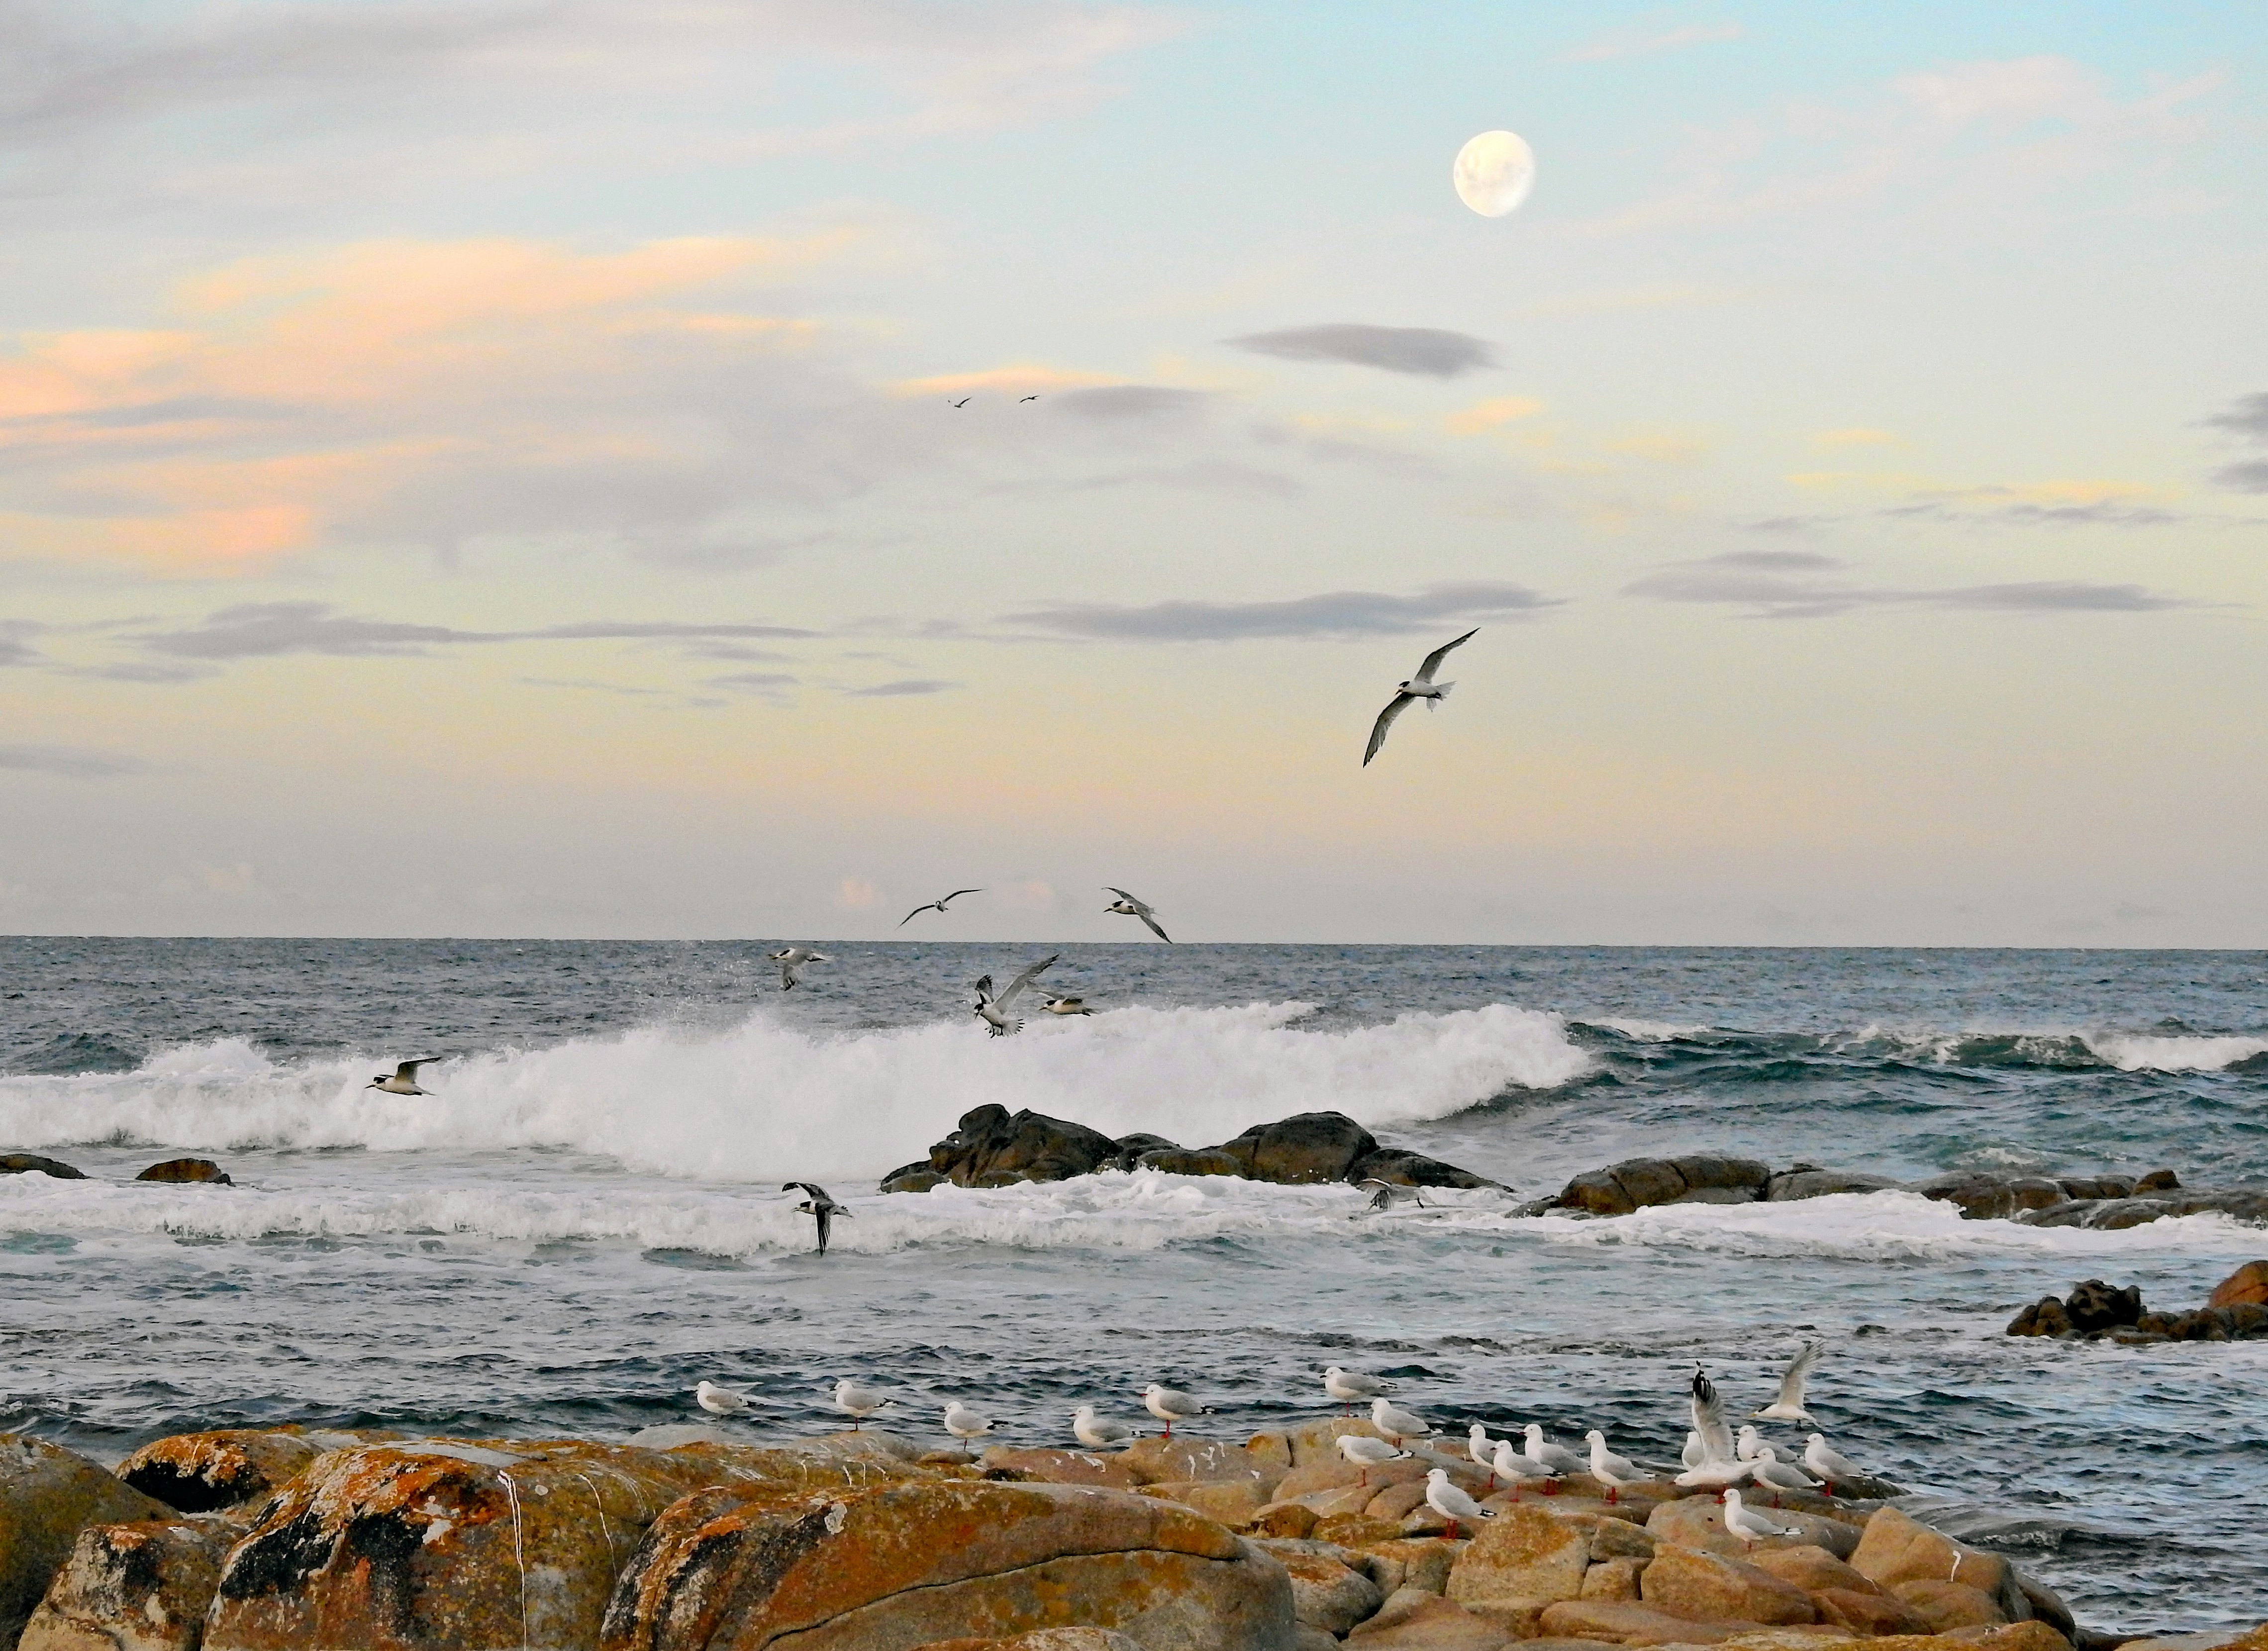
<point x="584" y="1218"/>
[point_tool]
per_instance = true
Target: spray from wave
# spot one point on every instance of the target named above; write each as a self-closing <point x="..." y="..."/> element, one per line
<point x="764" y="1099"/>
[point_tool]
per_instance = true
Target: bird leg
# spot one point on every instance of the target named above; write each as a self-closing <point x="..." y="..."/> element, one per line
<point x="1453" y="1530"/>
<point x="1614" y="1494"/>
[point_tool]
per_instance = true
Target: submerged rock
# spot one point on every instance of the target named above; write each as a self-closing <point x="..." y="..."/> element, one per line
<point x="140" y="1586"/>
<point x="908" y="1564"/>
<point x="1302" y="1149"/>
<point x="32" y="1163"/>
<point x="48" y="1495"/>
<point x="186" y="1169"/>
<point x="1415" y="1169"/>
<point x="995" y="1148"/>
<point x="1638" y="1183"/>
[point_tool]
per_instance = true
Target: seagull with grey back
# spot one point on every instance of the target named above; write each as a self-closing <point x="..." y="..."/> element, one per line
<point x="822" y="1209"/>
<point x="1421" y="686"/>
<point x="1133" y="906"/>
<point x="403" y="1079"/>
<point x="791" y="960"/>
<point x="1787" y="1404"/>
<point x="994" y="1011"/>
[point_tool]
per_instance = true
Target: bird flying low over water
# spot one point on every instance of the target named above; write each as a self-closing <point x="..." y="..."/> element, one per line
<point x="1788" y="1405"/>
<point x="819" y="1206"/>
<point x="994" y="1011"/>
<point x="1054" y="1005"/>
<point x="791" y="961"/>
<point x="403" y="1079"/>
<point x="1421" y="686"/>
<point x="937" y="905"/>
<point x="1128" y="906"/>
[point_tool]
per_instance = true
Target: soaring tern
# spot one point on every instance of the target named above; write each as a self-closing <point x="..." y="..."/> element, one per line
<point x="1421" y="686"/>
<point x="1134" y="906"/>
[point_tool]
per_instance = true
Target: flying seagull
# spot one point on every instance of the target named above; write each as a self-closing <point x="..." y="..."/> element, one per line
<point x="1421" y="686"/>
<point x="1132" y="906"/>
<point x="1720" y="1465"/>
<point x="1054" y="1005"/>
<point x="994" y="1011"/>
<point x="819" y="1206"/>
<point x="1384" y="1194"/>
<point x="791" y="960"/>
<point x="403" y="1079"/>
<point x="1788" y="1406"/>
<point x="936" y="905"/>
<point x="964" y="402"/>
<point x="1021" y="399"/>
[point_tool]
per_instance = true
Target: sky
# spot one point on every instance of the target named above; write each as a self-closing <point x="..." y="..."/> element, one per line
<point x="741" y="467"/>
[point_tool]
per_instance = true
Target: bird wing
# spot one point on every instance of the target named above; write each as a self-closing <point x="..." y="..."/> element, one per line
<point x="1433" y="660"/>
<point x="1151" y="923"/>
<point x="956" y="895"/>
<point x="915" y="912"/>
<point x="1709" y="1420"/>
<point x="812" y="1187"/>
<point x="1025" y="979"/>
<point x="1135" y="901"/>
<point x="1394" y="707"/>
<point x="1791" y="1385"/>
<point x="983" y="989"/>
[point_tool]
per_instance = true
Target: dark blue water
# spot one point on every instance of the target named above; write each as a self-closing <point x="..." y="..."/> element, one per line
<point x="583" y="1218"/>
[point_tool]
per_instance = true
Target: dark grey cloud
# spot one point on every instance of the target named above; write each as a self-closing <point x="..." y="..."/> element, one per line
<point x="69" y="761"/>
<point x="2247" y="416"/>
<point x="1428" y="351"/>
<point x="900" y="690"/>
<point x="15" y="653"/>
<point x="2251" y="476"/>
<point x="263" y="630"/>
<point x="1336" y="614"/>
<point x="2101" y="512"/>
<point x="1131" y="401"/>
<point x="1801" y="585"/>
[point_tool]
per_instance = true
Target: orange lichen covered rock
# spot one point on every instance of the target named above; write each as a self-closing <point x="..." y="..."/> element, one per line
<point x="1711" y="1588"/>
<point x="900" y="1565"/>
<point x="47" y="1495"/>
<point x="1064" y="1467"/>
<point x="2247" y="1286"/>
<point x="1523" y="1553"/>
<point x="145" y="1586"/>
<point x="202" y="1473"/>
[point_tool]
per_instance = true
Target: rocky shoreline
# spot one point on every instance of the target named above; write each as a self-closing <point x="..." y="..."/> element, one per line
<point x="2236" y="1310"/>
<point x="691" y="1538"/>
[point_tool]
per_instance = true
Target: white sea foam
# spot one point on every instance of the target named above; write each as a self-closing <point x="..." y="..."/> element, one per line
<point x="2174" y="1054"/>
<point x="765" y="1099"/>
<point x="1891" y="1226"/>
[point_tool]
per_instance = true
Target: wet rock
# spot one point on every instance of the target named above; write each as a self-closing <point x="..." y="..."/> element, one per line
<point x="1306" y="1148"/>
<point x="2044" y="1318"/>
<point x="139" y="1587"/>
<point x="200" y="1473"/>
<point x="1426" y="1622"/>
<point x="186" y="1169"/>
<point x="1712" y="1172"/>
<point x="2247" y="1286"/>
<point x="1200" y="1161"/>
<point x="1987" y="1198"/>
<point x="1713" y="1587"/>
<point x="2158" y="1181"/>
<point x="995" y="1148"/>
<point x="47" y="1495"/>
<point x="904" y="1565"/>
<point x="1131" y="1149"/>
<point x="453" y="1543"/>
<point x="915" y="1177"/>
<point x="1415" y="1169"/>
<point x="2096" y="1186"/>
<point x="1639" y="1184"/>
<point x="1523" y="1553"/>
<point x="2094" y="1306"/>
<point x="32" y="1163"/>
<point x="1819" y="1184"/>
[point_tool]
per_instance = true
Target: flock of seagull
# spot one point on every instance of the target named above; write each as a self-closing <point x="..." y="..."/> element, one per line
<point x="1714" y="1459"/>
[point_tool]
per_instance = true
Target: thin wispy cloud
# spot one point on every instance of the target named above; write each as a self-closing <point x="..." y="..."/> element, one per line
<point x="1336" y="614"/>
<point x="2247" y="419"/>
<point x="70" y="761"/>
<point x="266" y="630"/>
<point x="1131" y="402"/>
<point x="1426" y="351"/>
<point x="1805" y="584"/>
<point x="1643" y="42"/>
<point x="909" y="687"/>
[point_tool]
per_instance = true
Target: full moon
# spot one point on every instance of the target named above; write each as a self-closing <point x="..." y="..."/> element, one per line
<point x="1494" y="172"/>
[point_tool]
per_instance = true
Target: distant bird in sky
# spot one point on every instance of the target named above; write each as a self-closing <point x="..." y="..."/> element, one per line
<point x="1421" y="686"/>
<point x="718" y="1401"/>
<point x="1129" y="906"/>
<point x="857" y="1401"/>
<point x="937" y="905"/>
<point x="964" y="402"/>
<point x="791" y="960"/>
<point x="1788" y="1405"/>
<point x="403" y="1079"/>
<point x="819" y="1206"/>
<point x="1027" y="398"/>
<point x="1054" y="1005"/>
<point x="994" y="1011"/>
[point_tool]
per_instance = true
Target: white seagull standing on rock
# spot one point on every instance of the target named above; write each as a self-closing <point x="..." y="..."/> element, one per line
<point x="1749" y="1526"/>
<point x="791" y="960"/>
<point x="1829" y="1464"/>
<point x="1559" y="1456"/>
<point x="965" y="1424"/>
<point x="1352" y="1388"/>
<point x="1367" y="1453"/>
<point x="857" y="1401"/>
<point x="1170" y="1405"/>
<point x="1421" y="686"/>
<point x="1133" y="906"/>
<point x="994" y="1011"/>
<point x="1609" y="1469"/>
<point x="1453" y="1504"/>
<point x="1100" y="1433"/>
<point x="1787" y="1406"/>
<point x="718" y="1401"/>
<point x="1510" y="1466"/>
<point x="1397" y="1424"/>
<point x="403" y="1079"/>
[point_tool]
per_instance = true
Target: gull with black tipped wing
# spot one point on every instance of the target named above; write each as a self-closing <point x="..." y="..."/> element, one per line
<point x="1421" y="686"/>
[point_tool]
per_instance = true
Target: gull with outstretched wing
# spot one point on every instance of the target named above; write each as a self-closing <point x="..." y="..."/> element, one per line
<point x="1421" y="686"/>
<point x="1133" y="906"/>
<point x="994" y="1011"/>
